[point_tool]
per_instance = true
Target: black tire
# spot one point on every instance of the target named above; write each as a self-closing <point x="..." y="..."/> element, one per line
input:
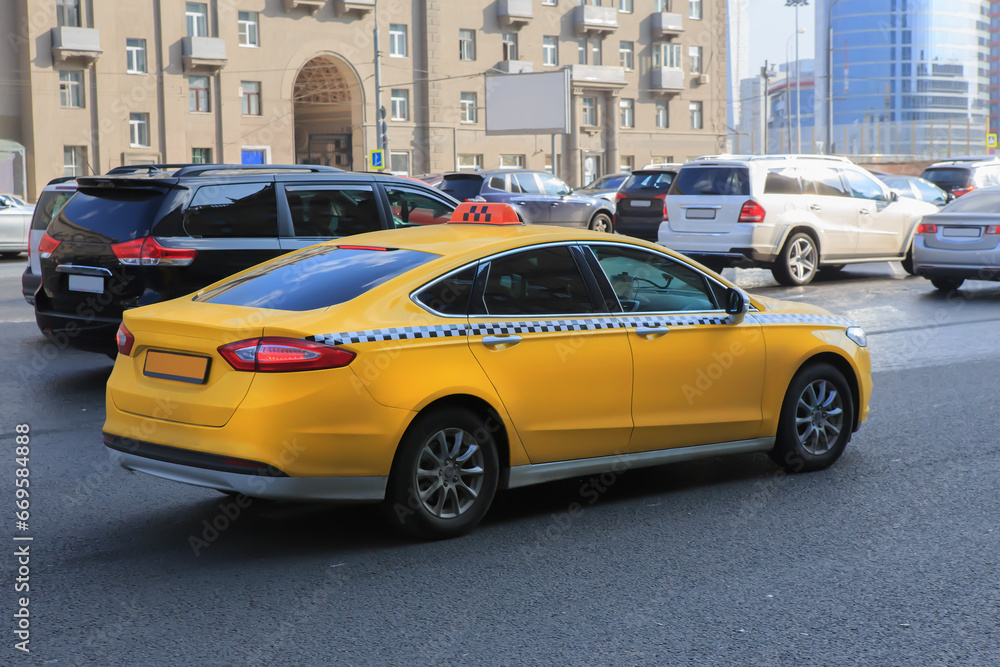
<point x="802" y="446"/>
<point x="797" y="262"/>
<point x="947" y="284"/>
<point x="9" y="255"/>
<point x="443" y="508"/>
<point x="602" y="223"/>
<point x="907" y="262"/>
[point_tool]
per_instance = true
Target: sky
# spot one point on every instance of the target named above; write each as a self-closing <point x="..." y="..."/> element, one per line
<point x="771" y="25"/>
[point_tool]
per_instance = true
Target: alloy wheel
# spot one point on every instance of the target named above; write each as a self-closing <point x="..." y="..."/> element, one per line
<point x="802" y="259"/>
<point x="819" y="417"/>
<point x="449" y="473"/>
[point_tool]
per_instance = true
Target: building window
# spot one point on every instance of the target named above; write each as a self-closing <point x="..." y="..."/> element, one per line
<point x="201" y="156"/>
<point x="550" y="3"/>
<point x="399" y="163"/>
<point x="397" y="40"/>
<point x="468" y="111"/>
<point x="626" y="54"/>
<point x="71" y="89"/>
<point x="581" y="51"/>
<point x="512" y="162"/>
<point x="135" y="56"/>
<point x="696" y="116"/>
<point x="627" y="163"/>
<point x="595" y="52"/>
<point x="667" y="54"/>
<point x="249" y="29"/>
<point x="470" y="161"/>
<point x="589" y="111"/>
<point x="664" y="5"/>
<point x="510" y="46"/>
<point x="250" y="97"/>
<point x="138" y="130"/>
<point x="196" y="14"/>
<point x="550" y="51"/>
<point x="400" y="99"/>
<point x="466" y="44"/>
<point x="627" y="107"/>
<point x="662" y="115"/>
<point x="663" y="159"/>
<point x="694" y="59"/>
<point x="694" y="10"/>
<point x="198" y="97"/>
<point x="68" y="13"/>
<point x="625" y="6"/>
<point x="74" y="161"/>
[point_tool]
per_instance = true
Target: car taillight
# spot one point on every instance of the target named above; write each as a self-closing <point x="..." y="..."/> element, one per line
<point x="619" y="196"/>
<point x="663" y="198"/>
<point x="751" y="212"/>
<point x="278" y="355"/>
<point x="993" y="229"/>
<point x="958" y="192"/>
<point x="125" y="340"/>
<point x="926" y="228"/>
<point x="47" y="246"/>
<point x="147" y="252"/>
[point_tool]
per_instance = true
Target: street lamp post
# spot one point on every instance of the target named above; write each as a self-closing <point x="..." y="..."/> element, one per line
<point x="798" y="74"/>
<point x="829" y="76"/>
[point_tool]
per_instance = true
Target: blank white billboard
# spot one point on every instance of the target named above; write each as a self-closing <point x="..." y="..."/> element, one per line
<point x="535" y="103"/>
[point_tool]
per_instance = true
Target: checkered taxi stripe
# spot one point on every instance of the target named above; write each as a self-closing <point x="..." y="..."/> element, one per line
<point x="786" y="318"/>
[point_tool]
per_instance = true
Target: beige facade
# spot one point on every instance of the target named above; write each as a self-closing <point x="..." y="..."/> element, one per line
<point x="86" y="85"/>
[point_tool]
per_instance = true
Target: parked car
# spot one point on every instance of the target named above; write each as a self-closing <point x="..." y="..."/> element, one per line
<point x="15" y="220"/>
<point x="605" y="187"/>
<point x="129" y="240"/>
<point x="640" y="202"/>
<point x="915" y="187"/>
<point x="961" y="241"/>
<point x="960" y="176"/>
<point x="792" y="214"/>
<point x="55" y="193"/>
<point x="433" y="180"/>
<point x="538" y="197"/>
<point x="495" y="337"/>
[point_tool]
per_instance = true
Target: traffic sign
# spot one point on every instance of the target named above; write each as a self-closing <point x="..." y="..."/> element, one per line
<point x="378" y="160"/>
<point x="991" y="140"/>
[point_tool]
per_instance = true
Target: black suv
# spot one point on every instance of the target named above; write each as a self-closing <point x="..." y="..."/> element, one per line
<point x="641" y="203"/>
<point x="962" y="175"/>
<point x="129" y="240"/>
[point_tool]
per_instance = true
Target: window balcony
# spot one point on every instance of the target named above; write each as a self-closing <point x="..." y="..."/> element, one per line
<point x="359" y="7"/>
<point x="514" y="13"/>
<point x="590" y="20"/>
<point x="599" y="76"/>
<point x="80" y="44"/>
<point x="203" y="54"/>
<point x="311" y="6"/>
<point x="666" y="80"/>
<point x="515" y="66"/>
<point x="666" y="24"/>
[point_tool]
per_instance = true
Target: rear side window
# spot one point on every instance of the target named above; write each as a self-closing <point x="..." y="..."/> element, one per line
<point x="525" y="184"/>
<point x="238" y="210"/>
<point x="110" y="215"/>
<point x="544" y="281"/>
<point x="450" y="295"/>
<point x="462" y="187"/>
<point x="826" y="181"/>
<point x="497" y="183"/>
<point x="947" y="178"/>
<point x="724" y="181"/>
<point x="782" y="181"/>
<point x="326" y="212"/>
<point x="977" y="201"/>
<point x="316" y="277"/>
<point x="48" y="205"/>
<point x="656" y="180"/>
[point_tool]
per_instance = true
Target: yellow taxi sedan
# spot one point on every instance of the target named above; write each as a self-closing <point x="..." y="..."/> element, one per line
<point x="428" y="368"/>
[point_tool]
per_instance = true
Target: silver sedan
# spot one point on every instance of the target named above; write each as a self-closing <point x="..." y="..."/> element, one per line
<point x="15" y="221"/>
<point x="961" y="242"/>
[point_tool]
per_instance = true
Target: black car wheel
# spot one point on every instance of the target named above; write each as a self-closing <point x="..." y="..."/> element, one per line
<point x="602" y="223"/>
<point x="907" y="261"/>
<point x="796" y="265"/>
<point x="947" y="284"/>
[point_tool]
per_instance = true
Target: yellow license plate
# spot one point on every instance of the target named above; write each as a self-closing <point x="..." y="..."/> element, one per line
<point x="172" y="366"/>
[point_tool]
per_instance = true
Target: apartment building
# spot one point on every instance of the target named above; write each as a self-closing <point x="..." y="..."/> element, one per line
<point x="86" y="85"/>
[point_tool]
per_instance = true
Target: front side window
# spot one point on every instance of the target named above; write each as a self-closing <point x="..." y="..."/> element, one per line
<point x="400" y="99"/>
<point x="550" y="51"/>
<point x="449" y="295"/>
<point x="646" y="282"/>
<point x="510" y="46"/>
<point x="236" y="210"/>
<point x="135" y="56"/>
<point x="138" y="130"/>
<point x="697" y="120"/>
<point x="553" y="186"/>
<point x="397" y="40"/>
<point x="589" y="111"/>
<point x="196" y="14"/>
<point x="325" y="212"/>
<point x="539" y="282"/>
<point x="525" y="183"/>
<point x="410" y="207"/>
<point x="249" y="29"/>
<point x="201" y="155"/>
<point x="466" y="44"/>
<point x="627" y="107"/>
<point x="863" y="187"/>
<point x="626" y="53"/>
<point x="198" y="95"/>
<point x="250" y="98"/>
<point x="695" y="9"/>
<point x="71" y="89"/>
<point x="468" y="108"/>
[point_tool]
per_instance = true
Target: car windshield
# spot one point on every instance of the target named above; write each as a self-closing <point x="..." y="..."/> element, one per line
<point x="986" y="200"/>
<point x="316" y="277"/>
<point x="947" y="178"/>
<point x="656" y="180"/>
<point x="712" y="180"/>
<point x="462" y="187"/>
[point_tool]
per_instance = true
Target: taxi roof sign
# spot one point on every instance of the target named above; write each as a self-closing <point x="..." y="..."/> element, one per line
<point x="478" y="213"/>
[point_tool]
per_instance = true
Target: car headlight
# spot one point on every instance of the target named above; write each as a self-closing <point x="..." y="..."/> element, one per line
<point x="857" y="334"/>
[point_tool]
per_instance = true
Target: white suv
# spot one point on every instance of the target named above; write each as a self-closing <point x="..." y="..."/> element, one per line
<point x="791" y="213"/>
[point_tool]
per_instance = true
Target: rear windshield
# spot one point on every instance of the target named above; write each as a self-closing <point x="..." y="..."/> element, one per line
<point x="48" y="205"/>
<point x="986" y="200"/>
<point x="656" y="180"/>
<point x="107" y="216"/>
<point x="606" y="183"/>
<point x="316" y="277"/>
<point x="947" y="178"/>
<point x="724" y="181"/>
<point x="462" y="187"/>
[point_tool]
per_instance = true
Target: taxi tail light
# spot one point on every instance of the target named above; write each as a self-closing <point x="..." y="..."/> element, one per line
<point x="125" y="340"/>
<point x="47" y="246"/>
<point x="926" y="228"/>
<point x="958" y="192"/>
<point x="752" y="212"/>
<point x="279" y="355"/>
<point x="663" y="198"/>
<point x="147" y="252"/>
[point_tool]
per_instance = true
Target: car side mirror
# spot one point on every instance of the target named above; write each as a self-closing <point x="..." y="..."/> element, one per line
<point x="893" y="196"/>
<point x="737" y="305"/>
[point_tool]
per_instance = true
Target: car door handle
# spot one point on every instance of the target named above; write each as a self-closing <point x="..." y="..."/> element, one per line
<point x="500" y="342"/>
<point x="555" y="203"/>
<point x="815" y="207"/>
<point x="651" y="332"/>
<point x="522" y="203"/>
<point x="865" y="211"/>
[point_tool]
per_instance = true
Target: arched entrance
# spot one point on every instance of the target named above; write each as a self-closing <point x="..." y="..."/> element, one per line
<point x="329" y="107"/>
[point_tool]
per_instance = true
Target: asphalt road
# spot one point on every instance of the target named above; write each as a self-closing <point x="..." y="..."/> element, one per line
<point x="889" y="557"/>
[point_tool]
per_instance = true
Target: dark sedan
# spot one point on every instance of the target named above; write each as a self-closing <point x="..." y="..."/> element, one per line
<point x="641" y="203"/>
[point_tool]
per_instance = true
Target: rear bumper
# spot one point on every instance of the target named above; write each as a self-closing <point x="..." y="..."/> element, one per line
<point x="91" y="334"/>
<point x="29" y="285"/>
<point x="958" y="271"/>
